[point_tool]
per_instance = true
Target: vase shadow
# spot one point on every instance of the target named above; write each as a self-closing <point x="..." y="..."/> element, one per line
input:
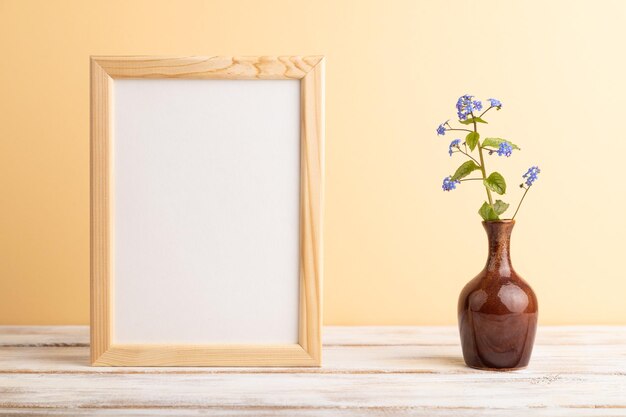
<point x="448" y="360"/>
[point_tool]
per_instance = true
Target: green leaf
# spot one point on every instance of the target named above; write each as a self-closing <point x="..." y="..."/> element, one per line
<point x="464" y="170"/>
<point x="472" y="139"/>
<point x="471" y="120"/>
<point x="496" y="183"/>
<point x="495" y="142"/>
<point x="500" y="207"/>
<point x="487" y="212"/>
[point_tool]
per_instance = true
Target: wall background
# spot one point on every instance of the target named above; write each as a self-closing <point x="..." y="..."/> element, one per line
<point x="398" y="249"/>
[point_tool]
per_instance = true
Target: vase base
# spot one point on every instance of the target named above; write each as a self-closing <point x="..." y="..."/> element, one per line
<point x="485" y="368"/>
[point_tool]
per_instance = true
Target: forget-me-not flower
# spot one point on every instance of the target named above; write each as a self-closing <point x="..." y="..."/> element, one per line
<point x="441" y="129"/>
<point x="505" y="149"/>
<point x="449" y="184"/>
<point x="454" y="144"/>
<point x="465" y="105"/>
<point x="494" y="102"/>
<point x="531" y="175"/>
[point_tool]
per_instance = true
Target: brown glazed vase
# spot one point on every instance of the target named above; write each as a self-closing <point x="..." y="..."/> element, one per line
<point x="497" y="309"/>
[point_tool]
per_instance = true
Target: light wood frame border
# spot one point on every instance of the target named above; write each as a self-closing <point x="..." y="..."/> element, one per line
<point x="310" y="71"/>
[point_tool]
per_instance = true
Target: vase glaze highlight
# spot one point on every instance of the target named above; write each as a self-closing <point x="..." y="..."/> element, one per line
<point x="497" y="309"/>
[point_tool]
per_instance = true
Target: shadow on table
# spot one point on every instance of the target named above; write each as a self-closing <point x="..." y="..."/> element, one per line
<point x="451" y="360"/>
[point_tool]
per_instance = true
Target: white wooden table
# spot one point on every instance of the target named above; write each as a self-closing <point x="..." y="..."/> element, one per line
<point x="367" y="371"/>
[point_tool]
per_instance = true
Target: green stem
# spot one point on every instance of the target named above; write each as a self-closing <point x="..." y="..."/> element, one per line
<point x="520" y="203"/>
<point x="482" y="163"/>
<point x="471" y="179"/>
<point x="481" y="115"/>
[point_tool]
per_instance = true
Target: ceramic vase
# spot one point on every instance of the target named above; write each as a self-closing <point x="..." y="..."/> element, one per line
<point x="497" y="309"/>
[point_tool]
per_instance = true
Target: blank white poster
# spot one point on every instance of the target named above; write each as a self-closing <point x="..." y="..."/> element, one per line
<point x="206" y="199"/>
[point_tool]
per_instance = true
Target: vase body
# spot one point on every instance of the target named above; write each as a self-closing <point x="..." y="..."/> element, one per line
<point x="497" y="309"/>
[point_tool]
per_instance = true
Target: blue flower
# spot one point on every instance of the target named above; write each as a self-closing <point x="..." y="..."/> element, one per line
<point x="465" y="105"/>
<point x="441" y="129"/>
<point x="494" y="102"/>
<point x="505" y="149"/>
<point x="531" y="175"/>
<point x="448" y="184"/>
<point x="454" y="144"/>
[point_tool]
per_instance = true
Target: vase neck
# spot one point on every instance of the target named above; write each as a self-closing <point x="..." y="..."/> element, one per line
<point x="499" y="236"/>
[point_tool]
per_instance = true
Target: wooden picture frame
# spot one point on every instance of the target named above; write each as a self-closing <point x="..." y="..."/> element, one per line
<point x="310" y="73"/>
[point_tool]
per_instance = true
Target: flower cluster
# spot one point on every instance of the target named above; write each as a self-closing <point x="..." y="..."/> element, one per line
<point x="471" y="116"/>
<point x="531" y="175"/>
<point x="465" y="105"/>
<point x="505" y="149"/>
<point x="454" y="144"/>
<point x="494" y="102"/>
<point x="449" y="184"/>
<point x="441" y="129"/>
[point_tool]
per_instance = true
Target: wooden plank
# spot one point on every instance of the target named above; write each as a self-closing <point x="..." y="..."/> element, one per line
<point x="318" y="412"/>
<point x="101" y="203"/>
<point x="449" y="335"/>
<point x="205" y="67"/>
<point x="546" y="360"/>
<point x="40" y="336"/>
<point x="211" y="355"/>
<point x="311" y="203"/>
<point x="484" y="390"/>
<point x="342" y="335"/>
<point x="575" y="371"/>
